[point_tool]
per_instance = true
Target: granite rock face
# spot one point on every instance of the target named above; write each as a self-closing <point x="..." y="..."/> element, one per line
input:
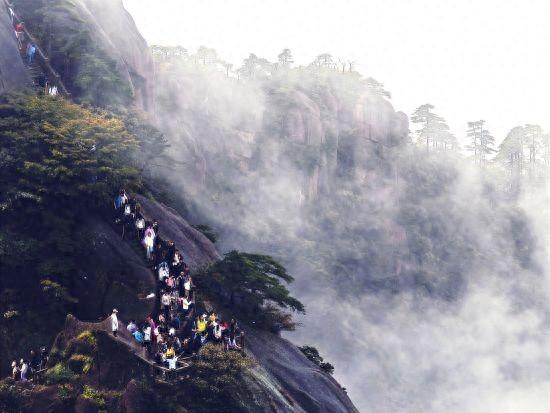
<point x="13" y="74"/>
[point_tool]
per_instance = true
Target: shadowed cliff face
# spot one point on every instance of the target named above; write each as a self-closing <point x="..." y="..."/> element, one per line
<point x="13" y="74"/>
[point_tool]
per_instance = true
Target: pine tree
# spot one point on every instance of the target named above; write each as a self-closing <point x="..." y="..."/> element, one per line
<point x="433" y="131"/>
<point x="285" y="58"/>
<point x="481" y="142"/>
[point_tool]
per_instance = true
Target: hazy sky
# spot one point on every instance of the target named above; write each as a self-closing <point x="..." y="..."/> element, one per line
<point x="486" y="59"/>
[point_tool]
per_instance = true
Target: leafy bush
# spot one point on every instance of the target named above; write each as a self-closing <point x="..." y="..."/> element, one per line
<point x="85" y="343"/>
<point x="94" y="395"/>
<point x="217" y="381"/>
<point x="60" y="373"/>
<point x="313" y="355"/>
<point x="80" y="363"/>
<point x="99" y="397"/>
<point x="66" y="392"/>
<point x="11" y="398"/>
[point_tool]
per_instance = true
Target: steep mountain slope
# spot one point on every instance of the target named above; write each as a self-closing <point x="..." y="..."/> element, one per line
<point x="96" y="48"/>
<point x="13" y="74"/>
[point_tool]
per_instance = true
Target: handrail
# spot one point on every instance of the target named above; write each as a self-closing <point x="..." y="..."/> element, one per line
<point x="44" y="60"/>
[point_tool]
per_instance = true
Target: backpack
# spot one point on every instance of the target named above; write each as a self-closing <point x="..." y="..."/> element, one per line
<point x="164" y="272"/>
<point x="127" y="210"/>
<point x="140" y="223"/>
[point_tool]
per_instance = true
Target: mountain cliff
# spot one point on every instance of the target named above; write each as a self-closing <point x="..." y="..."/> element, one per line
<point x="96" y="48"/>
<point x="13" y="75"/>
<point x="78" y="262"/>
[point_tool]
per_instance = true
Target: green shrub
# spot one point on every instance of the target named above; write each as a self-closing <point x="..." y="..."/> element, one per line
<point x="60" y="373"/>
<point x="217" y="381"/>
<point x="80" y="363"/>
<point x="95" y="396"/>
<point x="11" y="398"/>
<point x="313" y="355"/>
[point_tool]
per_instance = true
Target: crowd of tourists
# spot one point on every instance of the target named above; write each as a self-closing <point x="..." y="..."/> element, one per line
<point x="27" y="367"/>
<point x="172" y="331"/>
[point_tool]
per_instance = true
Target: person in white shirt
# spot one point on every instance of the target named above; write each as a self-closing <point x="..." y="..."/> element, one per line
<point x="186" y="305"/>
<point x="147" y="338"/>
<point x="114" y="322"/>
<point x="24" y="370"/>
<point x="132" y="327"/>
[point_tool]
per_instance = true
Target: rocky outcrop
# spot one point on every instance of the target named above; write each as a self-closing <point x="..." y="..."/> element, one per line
<point x="197" y="250"/>
<point x="13" y="74"/>
<point x="306" y="387"/>
<point x="96" y="48"/>
<point x="125" y="43"/>
<point x="113" y="275"/>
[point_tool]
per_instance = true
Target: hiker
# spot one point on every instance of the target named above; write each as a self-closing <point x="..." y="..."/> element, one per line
<point x="186" y="305"/>
<point x="14" y="370"/>
<point x="31" y="51"/>
<point x="138" y="336"/>
<point x="43" y="358"/>
<point x="120" y="200"/>
<point x="24" y="370"/>
<point x="12" y="15"/>
<point x="163" y="271"/>
<point x="149" y="242"/>
<point x="187" y="286"/>
<point x="114" y="322"/>
<point x="217" y="331"/>
<point x="147" y="338"/>
<point x="165" y="303"/>
<point x="132" y="327"/>
<point x="20" y="34"/>
<point x="35" y="361"/>
<point x="140" y="222"/>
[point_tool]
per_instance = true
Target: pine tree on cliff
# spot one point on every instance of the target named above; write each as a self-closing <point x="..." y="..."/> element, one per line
<point x="511" y="156"/>
<point x="434" y="131"/>
<point x="533" y="141"/>
<point x="206" y="55"/>
<point x="285" y="58"/>
<point x="324" y="60"/>
<point x="255" y="67"/>
<point x="482" y="143"/>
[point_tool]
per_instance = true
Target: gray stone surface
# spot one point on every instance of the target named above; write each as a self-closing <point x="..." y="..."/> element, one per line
<point x="13" y="74"/>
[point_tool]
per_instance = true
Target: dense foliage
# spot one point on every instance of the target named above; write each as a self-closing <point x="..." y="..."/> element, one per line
<point x="313" y="355"/>
<point x="58" y="163"/>
<point x="251" y="285"/>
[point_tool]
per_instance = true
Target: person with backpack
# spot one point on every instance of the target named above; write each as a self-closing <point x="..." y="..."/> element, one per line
<point x="114" y="322"/>
<point x="138" y="336"/>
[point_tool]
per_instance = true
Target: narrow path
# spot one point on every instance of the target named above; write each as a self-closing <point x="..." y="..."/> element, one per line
<point x="41" y="69"/>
